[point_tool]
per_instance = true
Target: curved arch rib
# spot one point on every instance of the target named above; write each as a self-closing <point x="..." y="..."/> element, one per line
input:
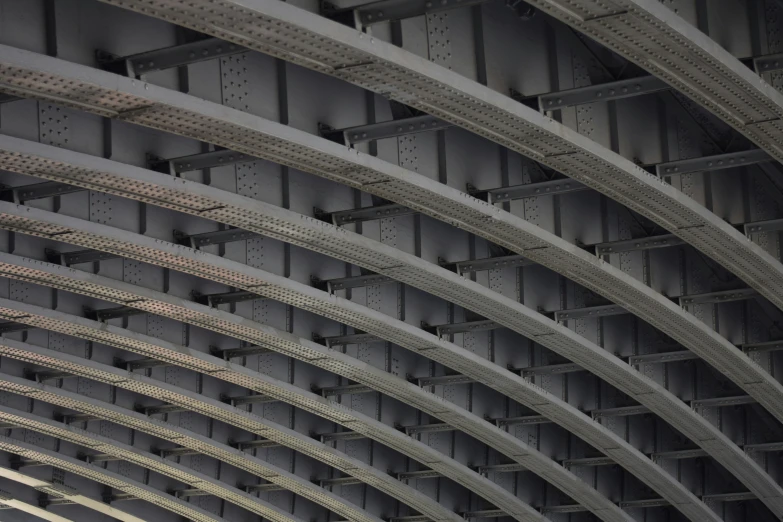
<point x="108" y="478"/>
<point x="293" y="34"/>
<point x="8" y="501"/>
<point x="353" y="420"/>
<point x="72" y="495"/>
<point x="192" y="359"/>
<point x="129" y="453"/>
<point x="29" y="74"/>
<point x="423" y="275"/>
<point x="502" y="380"/>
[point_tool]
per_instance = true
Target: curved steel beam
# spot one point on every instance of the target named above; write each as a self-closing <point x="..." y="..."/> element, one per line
<point x="339" y="414"/>
<point x="30" y="74"/>
<point x="8" y="501"/>
<point x="502" y="441"/>
<point x="108" y="478"/>
<point x="416" y="340"/>
<point x="652" y="36"/>
<point x="128" y="453"/>
<point x="72" y="495"/>
<point x="194" y="360"/>
<point x="506" y="311"/>
<point x="166" y="431"/>
<point x="293" y="34"/>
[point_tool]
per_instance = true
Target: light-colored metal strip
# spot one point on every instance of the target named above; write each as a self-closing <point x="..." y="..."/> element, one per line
<point x="197" y="361"/>
<point x="416" y="340"/>
<point x="165" y="431"/>
<point x="183" y="114"/>
<point x="290" y="33"/>
<point x="108" y="478"/>
<point x="72" y="495"/>
<point x="625" y="377"/>
<point x="129" y="453"/>
<point x="7" y="501"/>
<point x="218" y="368"/>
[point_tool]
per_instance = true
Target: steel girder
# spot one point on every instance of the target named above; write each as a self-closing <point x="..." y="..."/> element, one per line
<point x="503" y="442"/>
<point x="108" y="478"/>
<point x="127" y="452"/>
<point x="236" y="374"/>
<point x="290" y="345"/>
<point x="626" y="378"/>
<point x="293" y="34"/>
<point x="114" y="96"/>
<point x="64" y="492"/>
<point x="652" y="36"/>
<point x="7" y="501"/>
<point x="426" y="276"/>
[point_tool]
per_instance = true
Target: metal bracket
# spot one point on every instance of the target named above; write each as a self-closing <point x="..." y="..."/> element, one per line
<point x="205" y="160"/>
<point x="257" y="443"/>
<point x="521" y="421"/>
<point x="659" y="358"/>
<point x="15" y="327"/>
<point x="711" y="163"/>
<point x="529" y="190"/>
<point x="443" y="380"/>
<point x="340" y="435"/>
<point x="390" y="10"/>
<point x="343" y="283"/>
<point x="551" y="369"/>
<point x="637" y="244"/>
<point x="347" y="389"/>
<point x="386" y="129"/>
<point x="111" y="313"/>
<point x="342" y="340"/>
<point x="218" y="237"/>
<point x="244" y="351"/>
<point x="428" y="428"/>
<point x="360" y="215"/>
<point x="456" y="328"/>
<point x="176" y="56"/>
<point x="622" y="411"/>
<point x="248" y="399"/>
<point x="77" y="257"/>
<point x="720" y="402"/>
<point x="222" y="298"/>
<point x="418" y="475"/>
<point x="140" y="364"/>
<point x="251" y="488"/>
<point x="771" y="225"/>
<point x="589" y="312"/>
<point x="724" y="296"/>
<point x="602" y="92"/>
<point x="488" y="263"/>
<point x="43" y="190"/>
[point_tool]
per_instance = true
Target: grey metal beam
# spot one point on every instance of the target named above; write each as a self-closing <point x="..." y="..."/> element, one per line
<point x="47" y="189"/>
<point x="10" y="327"/>
<point x="347" y="389"/>
<point x="106" y="314"/>
<point x="341" y="435"/>
<point x="644" y="503"/>
<point x="489" y="263"/>
<point x="730" y="497"/>
<point x="429" y="428"/>
<point x="485" y="513"/>
<point x="565" y="508"/>
<point x="770" y="225"/>
<point x="662" y="357"/>
<point x="175" y="56"/>
<point x="249" y="399"/>
<point x="344" y="283"/>
<point x="139" y="364"/>
<point x="588" y="462"/>
<point x="205" y="160"/>
<point x="457" y="328"/>
<point x="590" y="312"/>
<point x="78" y="256"/>
<point x="550" y="369"/>
<point x="218" y="237"/>
<point x="724" y="296"/>
<point x="637" y="244"/>
<point x="178" y="452"/>
<point x="342" y="340"/>
<point x="385" y="129"/>
<point x="601" y="92"/>
<point x="522" y="420"/>
<point x="501" y="468"/>
<point x="620" y="411"/>
<point x="394" y="10"/>
<point x="768" y="63"/>
<point x="419" y="475"/>
<point x="529" y="190"/>
<point x="259" y="443"/>
<point x="719" y="402"/>
<point x="444" y="380"/>
<point x="221" y="298"/>
<point x="764" y="447"/>
<point x="339" y="481"/>
<point x="711" y="163"/>
<point x="679" y="454"/>
<point x="250" y="488"/>
<point x="359" y="215"/>
<point x="242" y="351"/>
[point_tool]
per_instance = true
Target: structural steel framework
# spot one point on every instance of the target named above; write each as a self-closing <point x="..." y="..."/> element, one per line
<point x="392" y="260"/>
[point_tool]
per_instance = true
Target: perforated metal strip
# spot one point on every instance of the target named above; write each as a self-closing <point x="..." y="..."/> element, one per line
<point x="90" y="503"/>
<point x="414" y="339"/>
<point x="255" y="381"/>
<point x="290" y="33"/>
<point x="126" y="452"/>
<point x="427" y="276"/>
<point x="163" y="430"/>
<point x="30" y="509"/>
<point x="44" y="77"/>
<point x="108" y="478"/>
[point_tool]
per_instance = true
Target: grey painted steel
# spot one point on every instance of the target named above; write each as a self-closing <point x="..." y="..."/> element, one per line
<point x="602" y="92"/>
<point x="234" y="373"/>
<point x="7" y="501"/>
<point x="164" y="430"/>
<point x="290" y="33"/>
<point x="563" y="340"/>
<point x="709" y="163"/>
<point x="114" y="96"/>
<point x="71" y="495"/>
<point x="446" y="284"/>
<point x="109" y="478"/>
<point x="127" y="452"/>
